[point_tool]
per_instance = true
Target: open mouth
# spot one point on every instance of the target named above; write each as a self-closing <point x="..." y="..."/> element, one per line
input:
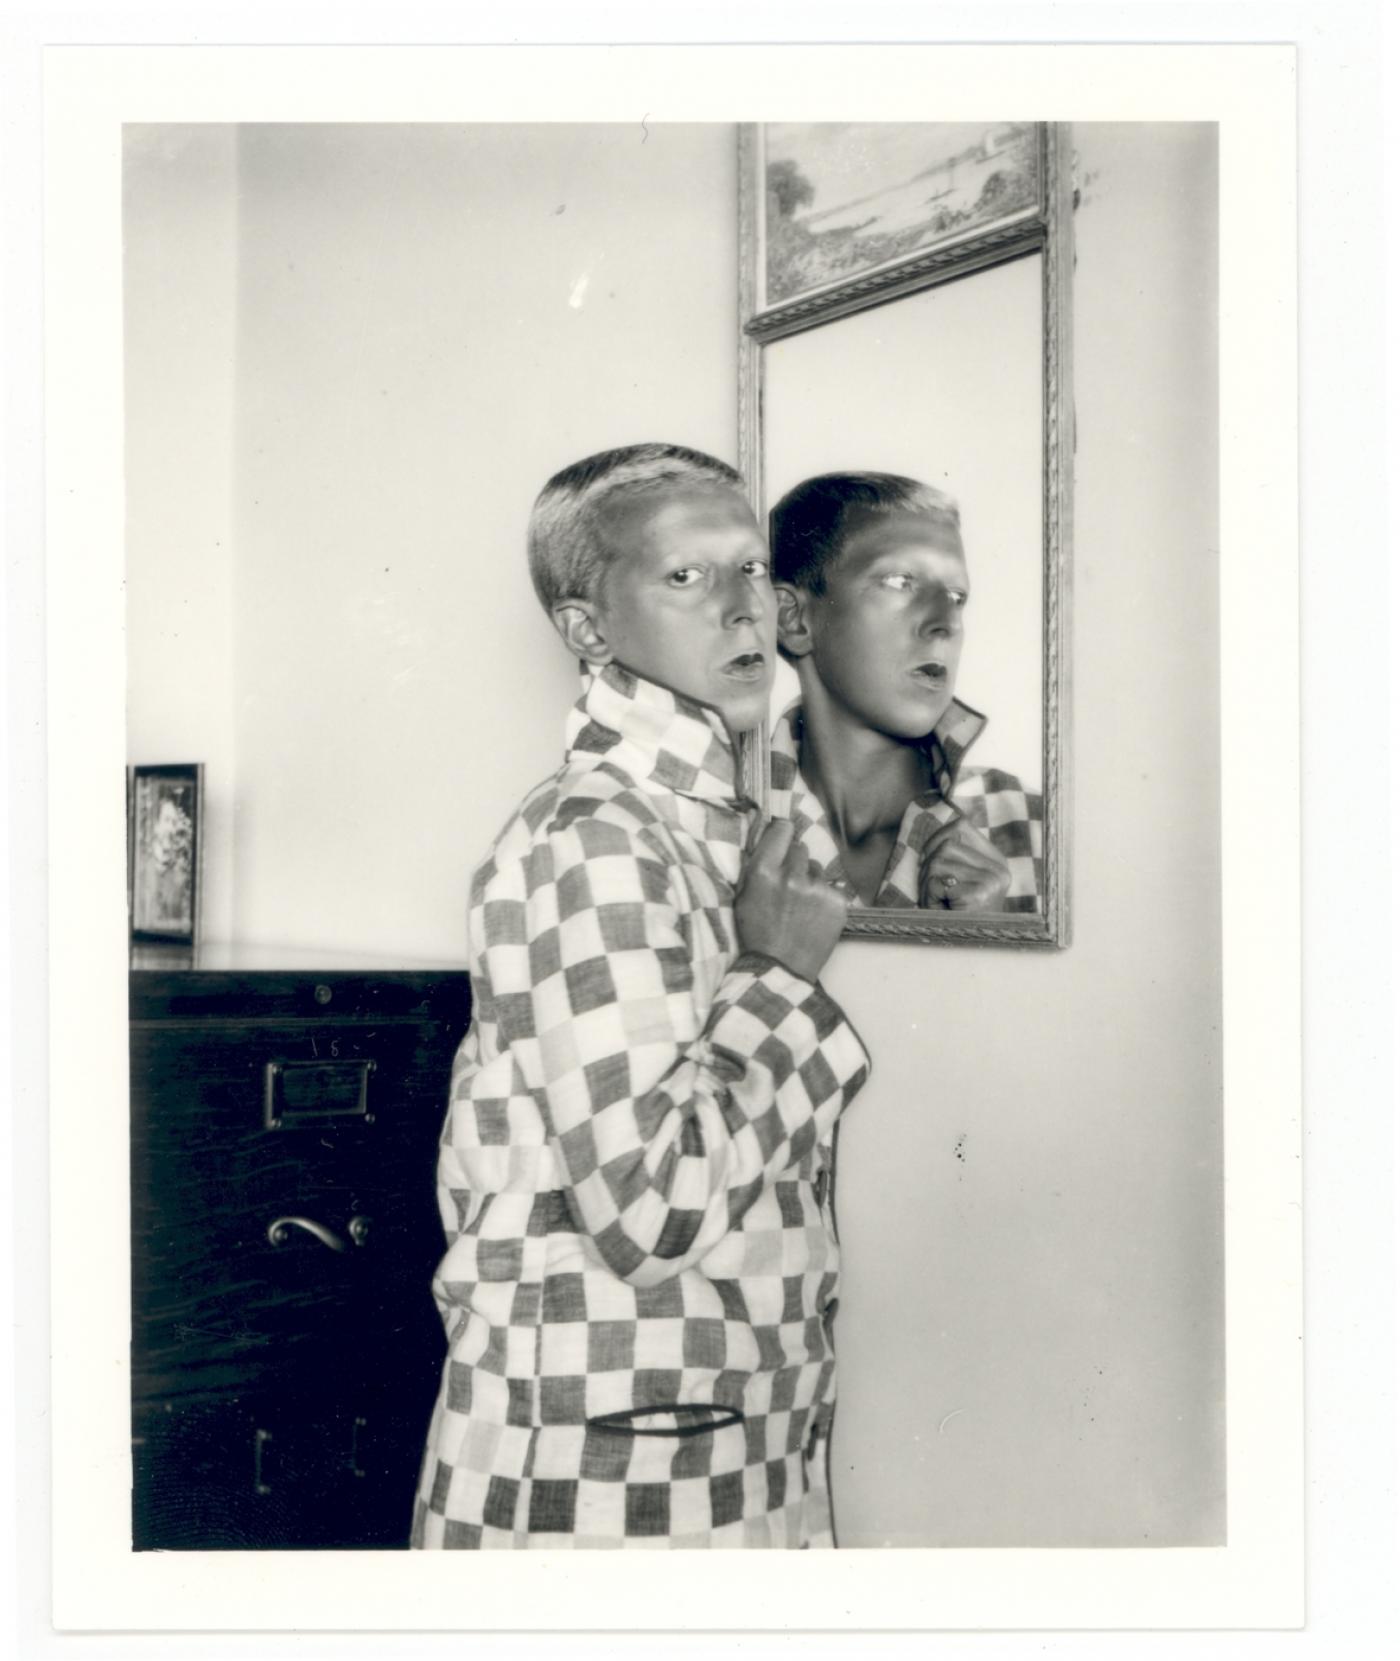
<point x="746" y="666"/>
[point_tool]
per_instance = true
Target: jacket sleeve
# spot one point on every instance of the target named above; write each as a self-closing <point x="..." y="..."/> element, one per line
<point x="669" y="1105"/>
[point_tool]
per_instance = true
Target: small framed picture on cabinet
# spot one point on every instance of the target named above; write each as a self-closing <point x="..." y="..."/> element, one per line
<point x="165" y="835"/>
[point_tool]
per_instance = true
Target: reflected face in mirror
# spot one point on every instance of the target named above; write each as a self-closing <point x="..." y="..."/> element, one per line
<point x="687" y="600"/>
<point x="885" y="637"/>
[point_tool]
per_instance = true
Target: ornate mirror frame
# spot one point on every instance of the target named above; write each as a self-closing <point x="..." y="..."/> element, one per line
<point x="1044" y="227"/>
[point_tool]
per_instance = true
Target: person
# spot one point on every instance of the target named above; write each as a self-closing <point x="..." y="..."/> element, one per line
<point x="641" y="1268"/>
<point x="869" y="763"/>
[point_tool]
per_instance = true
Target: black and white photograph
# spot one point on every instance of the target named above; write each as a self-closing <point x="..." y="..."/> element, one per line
<point x="704" y="1025"/>
<point x="397" y="362"/>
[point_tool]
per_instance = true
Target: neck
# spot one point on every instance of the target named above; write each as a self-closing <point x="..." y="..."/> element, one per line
<point x="864" y="779"/>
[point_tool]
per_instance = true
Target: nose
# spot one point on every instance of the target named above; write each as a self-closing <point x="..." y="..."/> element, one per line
<point x="741" y="599"/>
<point x="941" y="616"/>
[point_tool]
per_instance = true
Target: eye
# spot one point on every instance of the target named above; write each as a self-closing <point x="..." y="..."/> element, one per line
<point x="958" y="596"/>
<point x="686" y="577"/>
<point x="899" y="580"/>
<point x="756" y="568"/>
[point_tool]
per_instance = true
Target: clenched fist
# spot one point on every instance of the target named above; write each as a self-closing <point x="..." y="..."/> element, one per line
<point x="961" y="870"/>
<point x="784" y="908"/>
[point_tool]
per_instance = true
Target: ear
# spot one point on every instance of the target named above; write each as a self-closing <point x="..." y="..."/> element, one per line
<point x="580" y="626"/>
<point x="794" y="620"/>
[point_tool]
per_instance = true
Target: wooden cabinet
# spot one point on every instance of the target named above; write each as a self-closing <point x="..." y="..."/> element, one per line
<point x="285" y="1344"/>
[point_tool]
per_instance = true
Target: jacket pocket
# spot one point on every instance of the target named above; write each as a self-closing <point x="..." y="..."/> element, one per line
<point x="684" y="1419"/>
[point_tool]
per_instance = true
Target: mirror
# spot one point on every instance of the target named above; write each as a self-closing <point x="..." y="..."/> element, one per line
<point x="918" y="332"/>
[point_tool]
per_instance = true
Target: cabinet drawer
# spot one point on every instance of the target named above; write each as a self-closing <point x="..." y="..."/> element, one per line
<point x="225" y="1083"/>
<point x="275" y="1220"/>
<point x="260" y="1472"/>
<point x="264" y="1295"/>
<point x="230" y="995"/>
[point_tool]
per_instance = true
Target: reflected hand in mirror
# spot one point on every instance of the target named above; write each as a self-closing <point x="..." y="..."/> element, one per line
<point x="962" y="871"/>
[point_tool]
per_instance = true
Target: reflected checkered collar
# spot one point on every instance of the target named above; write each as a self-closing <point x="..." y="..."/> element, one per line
<point x="654" y="735"/>
<point x="789" y="797"/>
<point x="947" y="745"/>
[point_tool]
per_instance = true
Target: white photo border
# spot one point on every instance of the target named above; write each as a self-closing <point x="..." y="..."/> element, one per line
<point x="1254" y="1581"/>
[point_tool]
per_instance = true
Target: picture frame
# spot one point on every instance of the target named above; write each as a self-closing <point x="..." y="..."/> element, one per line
<point x="782" y="342"/>
<point x="165" y="844"/>
<point x="914" y="198"/>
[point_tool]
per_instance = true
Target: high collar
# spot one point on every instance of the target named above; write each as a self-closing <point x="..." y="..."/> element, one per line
<point x="656" y="736"/>
<point x="947" y="745"/>
<point x="790" y="797"/>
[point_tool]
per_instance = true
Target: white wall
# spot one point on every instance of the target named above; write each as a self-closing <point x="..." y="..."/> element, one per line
<point x="1031" y="1224"/>
<point x="429" y="321"/>
<point x="179" y="268"/>
<point x="1029" y="1194"/>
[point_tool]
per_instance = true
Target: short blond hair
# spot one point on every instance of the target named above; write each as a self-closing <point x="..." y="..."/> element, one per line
<point x="569" y="553"/>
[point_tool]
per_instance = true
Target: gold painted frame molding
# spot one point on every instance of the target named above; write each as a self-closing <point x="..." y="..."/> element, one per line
<point x="1047" y="229"/>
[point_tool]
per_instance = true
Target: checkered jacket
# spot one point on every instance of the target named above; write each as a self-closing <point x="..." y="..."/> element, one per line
<point x="634" y="1171"/>
<point x="992" y="802"/>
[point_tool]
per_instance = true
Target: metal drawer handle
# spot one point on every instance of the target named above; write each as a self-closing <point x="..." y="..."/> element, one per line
<point x="280" y="1231"/>
<point x="260" y="1439"/>
<point x="356" y="1469"/>
<point x="301" y="1093"/>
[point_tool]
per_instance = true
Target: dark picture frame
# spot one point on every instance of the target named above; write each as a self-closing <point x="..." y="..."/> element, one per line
<point x="1040" y="226"/>
<point x="165" y="846"/>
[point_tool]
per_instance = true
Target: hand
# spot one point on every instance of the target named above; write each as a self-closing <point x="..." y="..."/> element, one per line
<point x="784" y="908"/>
<point x="960" y="870"/>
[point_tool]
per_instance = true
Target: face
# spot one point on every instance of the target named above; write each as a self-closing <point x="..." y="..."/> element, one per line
<point x="886" y="636"/>
<point x="687" y="600"/>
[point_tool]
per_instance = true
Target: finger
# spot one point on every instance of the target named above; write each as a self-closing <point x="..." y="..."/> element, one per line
<point x="958" y="834"/>
<point x="979" y="846"/>
<point x="969" y="845"/>
<point x="950" y="864"/>
<point x="833" y="903"/>
<point x="796" y="863"/>
<point x="832" y="892"/>
<point x="952" y="877"/>
<point x="964" y="862"/>
<point x="942" y="890"/>
<point x="978" y="876"/>
<point x="940" y="839"/>
<point x="957" y="893"/>
<point x="772" y="845"/>
<point x="982" y="862"/>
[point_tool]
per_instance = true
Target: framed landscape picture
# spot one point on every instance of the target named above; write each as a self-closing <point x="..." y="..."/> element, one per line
<point x="864" y="205"/>
<point x="164" y="843"/>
